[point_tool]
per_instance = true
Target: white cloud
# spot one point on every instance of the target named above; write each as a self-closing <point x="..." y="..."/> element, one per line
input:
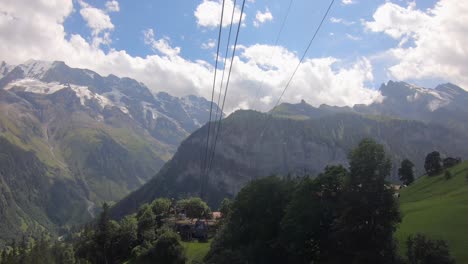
<point x="208" y="13"/>
<point x="432" y="43"/>
<point x="98" y="21"/>
<point x="347" y="2"/>
<point x="28" y="30"/>
<point x="162" y="45"/>
<point x="317" y="80"/>
<point x="353" y="37"/>
<point x="210" y="44"/>
<point x="112" y="6"/>
<point x="341" y="21"/>
<point x="262" y="17"/>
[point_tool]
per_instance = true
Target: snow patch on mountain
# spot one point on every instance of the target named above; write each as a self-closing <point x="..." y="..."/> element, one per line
<point x="36" y="68"/>
<point x="147" y="107"/>
<point x="84" y="94"/>
<point x="424" y="91"/>
<point x="115" y="98"/>
<point x="34" y="86"/>
<point x="436" y="104"/>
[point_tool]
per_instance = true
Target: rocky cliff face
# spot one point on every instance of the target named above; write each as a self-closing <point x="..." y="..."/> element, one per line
<point x="288" y="146"/>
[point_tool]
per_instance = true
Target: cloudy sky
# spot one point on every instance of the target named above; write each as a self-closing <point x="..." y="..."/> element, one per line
<point x="171" y="45"/>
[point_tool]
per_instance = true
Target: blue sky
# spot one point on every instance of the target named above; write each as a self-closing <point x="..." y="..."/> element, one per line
<point x="176" y="20"/>
<point x="164" y="44"/>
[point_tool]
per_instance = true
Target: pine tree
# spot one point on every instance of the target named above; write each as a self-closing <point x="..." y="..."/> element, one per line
<point x="103" y="235"/>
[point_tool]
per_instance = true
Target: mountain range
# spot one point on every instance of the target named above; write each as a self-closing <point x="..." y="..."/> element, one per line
<point x="299" y="139"/>
<point x="71" y="139"/>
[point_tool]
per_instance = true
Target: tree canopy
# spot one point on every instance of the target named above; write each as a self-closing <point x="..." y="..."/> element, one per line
<point x="194" y="207"/>
<point x="338" y="217"/>
<point x="405" y="172"/>
<point x="433" y="163"/>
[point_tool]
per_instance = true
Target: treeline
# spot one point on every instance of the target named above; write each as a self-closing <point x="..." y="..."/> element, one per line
<point x="43" y="250"/>
<point x="144" y="237"/>
<point x="434" y="164"/>
<point x="344" y="215"/>
<point x="341" y="216"/>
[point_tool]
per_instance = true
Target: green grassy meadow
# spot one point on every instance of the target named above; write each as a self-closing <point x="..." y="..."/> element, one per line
<point x="438" y="208"/>
<point x="196" y="251"/>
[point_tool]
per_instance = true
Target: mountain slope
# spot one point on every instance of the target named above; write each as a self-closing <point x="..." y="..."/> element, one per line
<point x="92" y="139"/>
<point x="288" y="146"/>
<point x="32" y="197"/>
<point x="439" y="208"/>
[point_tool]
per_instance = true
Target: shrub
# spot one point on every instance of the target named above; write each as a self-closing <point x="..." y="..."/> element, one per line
<point x="447" y="175"/>
<point x="424" y="250"/>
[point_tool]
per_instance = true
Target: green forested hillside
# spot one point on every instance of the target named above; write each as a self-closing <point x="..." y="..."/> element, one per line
<point x="31" y="197"/>
<point x="438" y="207"/>
<point x="58" y="163"/>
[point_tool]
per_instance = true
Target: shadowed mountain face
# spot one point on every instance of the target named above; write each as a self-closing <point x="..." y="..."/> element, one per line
<point x="289" y="146"/>
<point x="87" y="138"/>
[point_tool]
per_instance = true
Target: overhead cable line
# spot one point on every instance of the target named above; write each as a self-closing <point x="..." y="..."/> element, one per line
<point x="203" y="162"/>
<point x="276" y="44"/>
<point x="211" y="153"/>
<point x="225" y="60"/>
<point x="278" y="36"/>
<point x="227" y="85"/>
<point x="298" y="65"/>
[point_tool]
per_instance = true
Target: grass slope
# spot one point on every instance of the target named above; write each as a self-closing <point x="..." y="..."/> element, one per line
<point x="196" y="251"/>
<point x="438" y="208"/>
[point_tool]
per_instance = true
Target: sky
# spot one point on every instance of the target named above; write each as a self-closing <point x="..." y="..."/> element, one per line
<point x="171" y="45"/>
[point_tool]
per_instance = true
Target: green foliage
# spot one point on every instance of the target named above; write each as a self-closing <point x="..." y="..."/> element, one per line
<point x="339" y="217"/>
<point x="368" y="212"/>
<point x="309" y="216"/>
<point x="127" y="236"/>
<point x="194" y="207"/>
<point x="422" y="250"/>
<point x="447" y="175"/>
<point x="135" y="239"/>
<point x="406" y="172"/>
<point x="225" y="208"/>
<point x="42" y="251"/>
<point x="251" y="232"/>
<point x="166" y="249"/>
<point x="161" y="206"/>
<point x="146" y="224"/>
<point x="433" y="163"/>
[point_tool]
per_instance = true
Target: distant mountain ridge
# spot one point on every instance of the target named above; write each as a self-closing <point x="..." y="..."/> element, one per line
<point x="91" y="139"/>
<point x="446" y="104"/>
<point x="288" y="147"/>
<point x="301" y="140"/>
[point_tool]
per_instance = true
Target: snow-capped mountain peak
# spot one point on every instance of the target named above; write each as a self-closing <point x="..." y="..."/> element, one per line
<point x="167" y="118"/>
<point x="36" y="68"/>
